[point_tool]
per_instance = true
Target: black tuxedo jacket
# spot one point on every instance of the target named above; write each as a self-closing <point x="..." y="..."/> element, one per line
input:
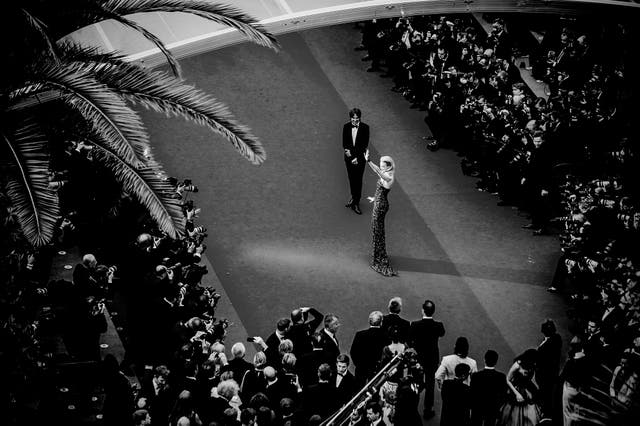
<point x="394" y="320"/>
<point x="272" y="353"/>
<point x="308" y="366"/>
<point x="320" y="399"/>
<point x="366" y="351"/>
<point x="456" y="404"/>
<point x="329" y="346"/>
<point x="300" y="334"/>
<point x="488" y="390"/>
<point x="278" y="390"/>
<point x="239" y="366"/>
<point x="423" y="337"/>
<point x="347" y="388"/>
<point x="362" y="142"/>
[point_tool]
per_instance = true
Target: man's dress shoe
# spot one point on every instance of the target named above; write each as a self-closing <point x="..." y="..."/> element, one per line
<point x="356" y="209"/>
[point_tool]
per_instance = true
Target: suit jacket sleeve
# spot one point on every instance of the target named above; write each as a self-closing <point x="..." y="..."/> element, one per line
<point x="355" y="349"/>
<point x="315" y="322"/>
<point x="346" y="137"/>
<point x="362" y="141"/>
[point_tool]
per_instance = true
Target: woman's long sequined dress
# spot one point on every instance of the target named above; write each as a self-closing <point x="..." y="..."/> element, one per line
<point x="380" y="259"/>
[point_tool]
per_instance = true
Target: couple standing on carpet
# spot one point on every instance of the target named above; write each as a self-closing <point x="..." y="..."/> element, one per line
<point x="355" y="142"/>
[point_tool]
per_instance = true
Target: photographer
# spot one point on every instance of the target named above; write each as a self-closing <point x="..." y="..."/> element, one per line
<point x="302" y="328"/>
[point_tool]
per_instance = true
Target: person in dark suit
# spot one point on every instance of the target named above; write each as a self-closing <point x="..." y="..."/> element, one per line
<point x="366" y="349"/>
<point x="407" y="401"/>
<point x="302" y="328"/>
<point x="548" y="365"/>
<point x="488" y="392"/>
<point x="355" y="140"/>
<point x="456" y="399"/>
<point x="159" y="395"/>
<point x="308" y="364"/>
<point x="238" y="365"/>
<point x="329" y="340"/>
<point x="278" y="388"/>
<point x="423" y="337"/>
<point x="344" y="381"/>
<point x="393" y="319"/>
<point x="320" y="398"/>
<point x="274" y="340"/>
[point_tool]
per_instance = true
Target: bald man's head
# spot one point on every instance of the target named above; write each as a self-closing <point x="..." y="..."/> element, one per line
<point x="270" y="373"/>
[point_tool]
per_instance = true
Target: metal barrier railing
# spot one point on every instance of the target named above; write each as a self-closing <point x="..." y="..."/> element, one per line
<point x="343" y="415"/>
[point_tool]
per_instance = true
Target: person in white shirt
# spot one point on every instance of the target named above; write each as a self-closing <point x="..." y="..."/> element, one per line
<point x="446" y="370"/>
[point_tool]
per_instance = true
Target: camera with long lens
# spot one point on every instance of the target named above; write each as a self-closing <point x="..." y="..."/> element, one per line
<point x="198" y="230"/>
<point x="518" y="158"/>
<point x="607" y="203"/>
<point x="56" y="185"/>
<point x="623" y="217"/>
<point x="188" y="186"/>
<point x="618" y="155"/>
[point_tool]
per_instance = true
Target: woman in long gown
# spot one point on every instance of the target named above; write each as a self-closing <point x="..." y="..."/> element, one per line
<point x="386" y="171"/>
<point x="522" y="409"/>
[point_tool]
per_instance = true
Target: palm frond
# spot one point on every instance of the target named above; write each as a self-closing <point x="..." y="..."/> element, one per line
<point x="40" y="28"/>
<point x="171" y="60"/>
<point x="107" y="113"/>
<point x="219" y="13"/>
<point x="161" y="92"/>
<point x="27" y="162"/>
<point x="148" y="185"/>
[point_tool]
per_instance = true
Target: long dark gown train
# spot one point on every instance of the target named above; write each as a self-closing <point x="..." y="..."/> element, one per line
<point x="380" y="260"/>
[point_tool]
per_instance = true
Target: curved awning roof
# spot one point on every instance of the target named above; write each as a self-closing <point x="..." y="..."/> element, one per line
<point x="187" y="35"/>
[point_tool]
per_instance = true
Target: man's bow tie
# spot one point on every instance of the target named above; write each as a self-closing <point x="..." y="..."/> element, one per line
<point x="354" y="127"/>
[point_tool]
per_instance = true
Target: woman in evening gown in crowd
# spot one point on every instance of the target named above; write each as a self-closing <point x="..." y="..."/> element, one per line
<point x="386" y="171"/>
<point x="521" y="408"/>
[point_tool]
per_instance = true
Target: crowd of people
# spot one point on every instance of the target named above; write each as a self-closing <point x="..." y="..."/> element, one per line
<point x="301" y="375"/>
<point x="568" y="158"/>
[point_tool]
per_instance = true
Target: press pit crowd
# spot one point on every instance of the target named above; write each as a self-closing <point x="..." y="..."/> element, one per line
<point x="569" y="161"/>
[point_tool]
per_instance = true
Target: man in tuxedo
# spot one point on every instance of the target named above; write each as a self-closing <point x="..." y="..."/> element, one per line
<point x="309" y="362"/>
<point x="366" y="349"/>
<point x="548" y="365"/>
<point x="374" y="414"/>
<point x="456" y="399"/>
<point x="320" y="398"/>
<point x="355" y="140"/>
<point x="329" y="340"/>
<point x="302" y="328"/>
<point x="159" y="395"/>
<point x="393" y="319"/>
<point x="423" y="337"/>
<point x="488" y="392"/>
<point x="274" y="340"/>
<point x="345" y="382"/>
<point x="278" y="388"/>
<point x="238" y="365"/>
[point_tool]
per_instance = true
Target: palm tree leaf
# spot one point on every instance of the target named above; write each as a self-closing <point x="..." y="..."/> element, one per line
<point x="40" y="28"/>
<point x="161" y="92"/>
<point x="222" y="14"/>
<point x="149" y="185"/>
<point x="108" y="114"/>
<point x="171" y="60"/>
<point x="27" y="162"/>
